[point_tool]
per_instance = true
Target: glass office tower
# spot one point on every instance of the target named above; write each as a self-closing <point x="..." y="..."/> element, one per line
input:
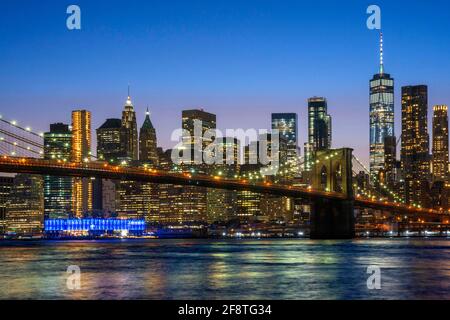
<point x="381" y="115"/>
<point x="57" y="190"/>
<point x="286" y="124"/>
<point x="319" y="129"/>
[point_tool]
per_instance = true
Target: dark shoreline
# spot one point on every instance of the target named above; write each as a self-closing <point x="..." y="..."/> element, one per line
<point x="209" y="238"/>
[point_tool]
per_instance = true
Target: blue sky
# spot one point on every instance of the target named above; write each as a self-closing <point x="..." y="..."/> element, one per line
<point x="239" y="59"/>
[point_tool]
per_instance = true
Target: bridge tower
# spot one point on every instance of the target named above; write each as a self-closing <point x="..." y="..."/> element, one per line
<point x="333" y="218"/>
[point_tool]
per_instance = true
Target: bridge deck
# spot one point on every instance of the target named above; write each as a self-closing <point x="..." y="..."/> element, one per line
<point x="106" y="171"/>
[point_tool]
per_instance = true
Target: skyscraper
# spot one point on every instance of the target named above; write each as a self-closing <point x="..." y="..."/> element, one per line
<point x="147" y="142"/>
<point x="129" y="136"/>
<point x="132" y="199"/>
<point x="273" y="207"/>
<point x="319" y="129"/>
<point x="109" y="146"/>
<point x="81" y="151"/>
<point x="111" y="150"/>
<point x="148" y="155"/>
<point x="6" y="184"/>
<point x="130" y="192"/>
<point x="196" y="141"/>
<point x="81" y="136"/>
<point x="276" y="208"/>
<point x="170" y="197"/>
<point x="135" y="198"/>
<point x="252" y="206"/>
<point x="195" y="198"/>
<point x="221" y="204"/>
<point x="248" y="202"/>
<point x="57" y="190"/>
<point x="25" y="213"/>
<point x="415" y="150"/>
<point x="287" y="125"/>
<point x="381" y="115"/>
<point x="440" y="143"/>
<point x="387" y="174"/>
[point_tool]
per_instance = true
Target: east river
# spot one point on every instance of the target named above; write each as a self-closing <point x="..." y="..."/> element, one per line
<point x="225" y="269"/>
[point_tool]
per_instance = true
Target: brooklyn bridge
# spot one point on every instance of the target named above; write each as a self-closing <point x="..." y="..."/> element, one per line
<point x="332" y="193"/>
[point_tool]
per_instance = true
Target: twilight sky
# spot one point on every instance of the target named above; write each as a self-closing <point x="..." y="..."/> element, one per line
<point x="239" y="59"/>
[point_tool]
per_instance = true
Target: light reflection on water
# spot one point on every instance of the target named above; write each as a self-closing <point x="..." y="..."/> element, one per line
<point x="215" y="269"/>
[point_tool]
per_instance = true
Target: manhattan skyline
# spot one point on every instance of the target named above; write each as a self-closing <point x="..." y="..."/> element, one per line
<point x="248" y="150"/>
<point x="228" y="58"/>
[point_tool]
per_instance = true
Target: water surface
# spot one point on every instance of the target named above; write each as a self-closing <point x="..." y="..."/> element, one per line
<point x="226" y="269"/>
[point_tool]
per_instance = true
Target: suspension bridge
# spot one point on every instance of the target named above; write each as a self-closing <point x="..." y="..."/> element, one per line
<point x="333" y="193"/>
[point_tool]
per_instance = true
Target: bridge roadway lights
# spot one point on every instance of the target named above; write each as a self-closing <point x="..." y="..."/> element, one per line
<point x="332" y="219"/>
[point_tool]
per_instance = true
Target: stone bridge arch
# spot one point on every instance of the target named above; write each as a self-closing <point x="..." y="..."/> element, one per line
<point x="332" y="172"/>
<point x="337" y="166"/>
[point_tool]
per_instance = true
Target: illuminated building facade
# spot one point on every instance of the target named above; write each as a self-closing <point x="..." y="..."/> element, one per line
<point x="195" y="198"/>
<point x="275" y="208"/>
<point x="439" y="195"/>
<point x="249" y="203"/>
<point x="440" y="143"/>
<point x="131" y="200"/>
<point x="415" y="150"/>
<point x="387" y="175"/>
<point x="381" y="119"/>
<point x="57" y="190"/>
<point x="81" y="136"/>
<point x="261" y="153"/>
<point x="287" y="125"/>
<point x="140" y="199"/>
<point x="319" y="129"/>
<point x="253" y="206"/>
<point x="109" y="193"/>
<point x="150" y="193"/>
<point x="381" y="116"/>
<point x="129" y="132"/>
<point x="195" y="141"/>
<point x="82" y="189"/>
<point x="94" y="227"/>
<point x="170" y="197"/>
<point x="6" y="184"/>
<point x="109" y="146"/>
<point x="221" y="204"/>
<point x="25" y="213"/>
<point x="148" y="143"/>
<point x="109" y="149"/>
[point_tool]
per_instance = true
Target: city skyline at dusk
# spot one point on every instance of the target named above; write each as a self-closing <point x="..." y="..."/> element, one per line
<point x="226" y="157"/>
<point x="231" y="58"/>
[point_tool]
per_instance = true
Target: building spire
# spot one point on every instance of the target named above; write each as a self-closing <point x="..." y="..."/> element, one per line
<point x="147" y="122"/>
<point x="128" y="103"/>
<point x="381" y="54"/>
